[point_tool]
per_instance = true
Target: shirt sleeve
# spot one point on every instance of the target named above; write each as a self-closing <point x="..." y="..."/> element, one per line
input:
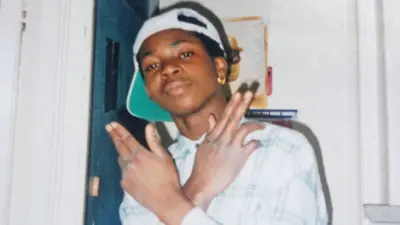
<point x="198" y="217"/>
<point x="132" y="213"/>
<point x="301" y="200"/>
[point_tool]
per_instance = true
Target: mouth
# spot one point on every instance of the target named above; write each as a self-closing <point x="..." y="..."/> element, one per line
<point x="175" y="88"/>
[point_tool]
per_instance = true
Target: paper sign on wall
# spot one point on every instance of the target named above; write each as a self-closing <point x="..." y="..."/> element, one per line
<point x="249" y="41"/>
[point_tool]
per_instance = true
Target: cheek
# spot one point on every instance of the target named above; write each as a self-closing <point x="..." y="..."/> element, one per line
<point x="152" y="87"/>
<point x="201" y="68"/>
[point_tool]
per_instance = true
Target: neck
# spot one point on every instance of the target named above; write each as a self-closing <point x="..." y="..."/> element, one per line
<point x="193" y="126"/>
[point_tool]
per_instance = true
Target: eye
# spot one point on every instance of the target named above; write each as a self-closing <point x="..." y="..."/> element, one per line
<point x="186" y="55"/>
<point x="151" y="67"/>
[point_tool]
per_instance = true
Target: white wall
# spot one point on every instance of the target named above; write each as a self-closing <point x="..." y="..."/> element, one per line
<point x="327" y="61"/>
<point x="311" y="49"/>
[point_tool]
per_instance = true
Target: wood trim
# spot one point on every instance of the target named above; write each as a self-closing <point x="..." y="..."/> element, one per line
<point x="372" y="103"/>
<point x="354" y="160"/>
<point x="243" y="18"/>
<point x="391" y="33"/>
<point x="10" y="30"/>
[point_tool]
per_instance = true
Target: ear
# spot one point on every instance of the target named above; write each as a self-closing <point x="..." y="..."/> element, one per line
<point x="221" y="67"/>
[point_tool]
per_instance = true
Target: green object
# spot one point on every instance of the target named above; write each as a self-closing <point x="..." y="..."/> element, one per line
<point x="140" y="105"/>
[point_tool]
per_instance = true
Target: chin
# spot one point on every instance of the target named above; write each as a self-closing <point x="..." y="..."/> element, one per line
<point x="182" y="110"/>
<point x="188" y="104"/>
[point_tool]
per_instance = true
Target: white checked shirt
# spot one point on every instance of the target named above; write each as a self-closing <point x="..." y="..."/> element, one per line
<point x="279" y="185"/>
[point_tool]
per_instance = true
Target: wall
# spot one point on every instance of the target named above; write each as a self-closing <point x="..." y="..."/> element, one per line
<point x="328" y="63"/>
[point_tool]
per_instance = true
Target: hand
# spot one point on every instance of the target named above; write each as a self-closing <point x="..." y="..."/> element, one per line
<point x="150" y="177"/>
<point x="222" y="155"/>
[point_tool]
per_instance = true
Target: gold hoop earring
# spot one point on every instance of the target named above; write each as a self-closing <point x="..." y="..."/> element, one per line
<point x="221" y="80"/>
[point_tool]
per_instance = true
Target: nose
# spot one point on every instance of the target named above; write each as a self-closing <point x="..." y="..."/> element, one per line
<point x="170" y="69"/>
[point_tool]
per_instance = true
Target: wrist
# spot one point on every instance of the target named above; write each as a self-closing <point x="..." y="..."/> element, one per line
<point x="196" y="194"/>
<point x="174" y="208"/>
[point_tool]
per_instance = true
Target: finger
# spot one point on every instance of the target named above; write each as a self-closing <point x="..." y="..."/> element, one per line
<point x="236" y="117"/>
<point x="127" y="175"/>
<point x="154" y="141"/>
<point x="239" y="112"/>
<point x="228" y="112"/>
<point x="119" y="144"/>
<point x="124" y="161"/>
<point x="250" y="147"/>
<point x="126" y="136"/>
<point x="244" y="130"/>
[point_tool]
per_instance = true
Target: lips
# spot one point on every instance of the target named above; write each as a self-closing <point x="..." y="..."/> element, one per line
<point x="175" y="87"/>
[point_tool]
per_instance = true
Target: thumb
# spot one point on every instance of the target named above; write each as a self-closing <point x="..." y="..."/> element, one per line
<point x="154" y="141"/>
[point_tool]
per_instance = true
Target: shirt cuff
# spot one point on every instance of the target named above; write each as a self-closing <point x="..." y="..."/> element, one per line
<point x="197" y="216"/>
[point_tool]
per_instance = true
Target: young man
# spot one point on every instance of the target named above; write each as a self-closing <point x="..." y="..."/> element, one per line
<point x="223" y="169"/>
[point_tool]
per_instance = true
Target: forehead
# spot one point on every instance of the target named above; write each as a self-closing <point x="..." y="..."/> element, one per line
<point x="167" y="37"/>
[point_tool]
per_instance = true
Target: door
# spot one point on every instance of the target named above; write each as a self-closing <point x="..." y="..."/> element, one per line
<point x="117" y="22"/>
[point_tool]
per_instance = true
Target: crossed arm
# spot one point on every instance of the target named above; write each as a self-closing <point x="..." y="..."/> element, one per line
<point x="299" y="200"/>
<point x="153" y="194"/>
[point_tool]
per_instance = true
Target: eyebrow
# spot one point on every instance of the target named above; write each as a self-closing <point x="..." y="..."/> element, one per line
<point x="173" y="44"/>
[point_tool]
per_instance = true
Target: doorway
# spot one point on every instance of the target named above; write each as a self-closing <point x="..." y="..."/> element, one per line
<point x="116" y="25"/>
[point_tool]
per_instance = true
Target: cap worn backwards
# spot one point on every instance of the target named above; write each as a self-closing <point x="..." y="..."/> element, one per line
<point x="138" y="102"/>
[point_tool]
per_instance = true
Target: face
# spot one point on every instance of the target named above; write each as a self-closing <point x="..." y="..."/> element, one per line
<point x="179" y="74"/>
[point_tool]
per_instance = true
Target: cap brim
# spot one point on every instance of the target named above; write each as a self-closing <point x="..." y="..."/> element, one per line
<point x="140" y="105"/>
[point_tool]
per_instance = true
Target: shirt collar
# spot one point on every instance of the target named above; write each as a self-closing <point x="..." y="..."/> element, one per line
<point x="185" y="145"/>
<point x="188" y="143"/>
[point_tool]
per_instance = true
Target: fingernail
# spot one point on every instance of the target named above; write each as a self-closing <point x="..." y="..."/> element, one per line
<point x="114" y="124"/>
<point x="108" y="128"/>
